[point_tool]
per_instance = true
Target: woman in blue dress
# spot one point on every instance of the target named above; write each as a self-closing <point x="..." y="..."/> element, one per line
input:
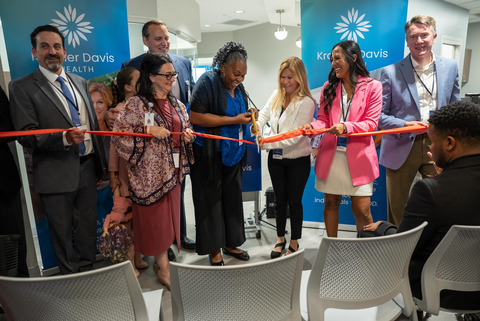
<point x="219" y="107"/>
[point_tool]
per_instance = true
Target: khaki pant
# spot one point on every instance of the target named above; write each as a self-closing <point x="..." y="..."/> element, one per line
<point x="399" y="181"/>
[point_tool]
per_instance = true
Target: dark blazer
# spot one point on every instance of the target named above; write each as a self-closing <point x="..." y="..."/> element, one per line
<point x="181" y="64"/>
<point x="35" y="105"/>
<point x="9" y="178"/>
<point x="450" y="198"/>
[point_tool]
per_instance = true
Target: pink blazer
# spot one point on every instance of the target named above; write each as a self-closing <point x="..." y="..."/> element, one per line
<point x="364" y="114"/>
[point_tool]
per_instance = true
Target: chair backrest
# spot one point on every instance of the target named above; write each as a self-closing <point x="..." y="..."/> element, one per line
<point x="110" y="293"/>
<point x="358" y="273"/>
<point x="454" y="265"/>
<point x="268" y="290"/>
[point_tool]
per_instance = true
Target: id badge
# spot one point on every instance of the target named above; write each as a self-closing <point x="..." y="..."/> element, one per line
<point x="87" y="135"/>
<point x="277" y="153"/>
<point x="176" y="157"/>
<point x="342" y="143"/>
<point x="240" y="135"/>
<point x="149" y="119"/>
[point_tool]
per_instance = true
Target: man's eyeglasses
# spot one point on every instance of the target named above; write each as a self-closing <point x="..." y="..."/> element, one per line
<point x="169" y="76"/>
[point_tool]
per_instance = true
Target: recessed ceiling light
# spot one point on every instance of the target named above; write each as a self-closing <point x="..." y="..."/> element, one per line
<point x="207" y="25"/>
<point x="239" y="11"/>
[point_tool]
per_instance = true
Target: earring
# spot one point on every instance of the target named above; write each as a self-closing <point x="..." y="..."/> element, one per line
<point x="152" y="89"/>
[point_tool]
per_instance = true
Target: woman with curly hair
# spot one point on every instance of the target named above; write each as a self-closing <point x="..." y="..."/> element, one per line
<point x="156" y="166"/>
<point x="289" y="107"/>
<point x="350" y="102"/>
<point x="219" y="107"/>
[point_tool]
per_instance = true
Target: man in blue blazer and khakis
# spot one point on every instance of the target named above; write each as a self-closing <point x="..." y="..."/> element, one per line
<point x="412" y="89"/>
<point x="156" y="38"/>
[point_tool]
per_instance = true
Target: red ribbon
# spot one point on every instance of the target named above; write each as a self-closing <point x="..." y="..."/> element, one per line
<point x="272" y="139"/>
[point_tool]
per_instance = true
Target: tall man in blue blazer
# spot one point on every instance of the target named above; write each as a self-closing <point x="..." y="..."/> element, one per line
<point x="413" y="88"/>
<point x="155" y="37"/>
<point x="66" y="164"/>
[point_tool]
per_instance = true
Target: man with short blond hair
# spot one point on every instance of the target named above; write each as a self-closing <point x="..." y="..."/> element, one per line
<point x="413" y="88"/>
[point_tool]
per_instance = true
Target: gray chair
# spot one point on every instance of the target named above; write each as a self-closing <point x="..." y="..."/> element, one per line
<point x="357" y="279"/>
<point x="267" y="290"/>
<point x="454" y="265"/>
<point x="110" y="293"/>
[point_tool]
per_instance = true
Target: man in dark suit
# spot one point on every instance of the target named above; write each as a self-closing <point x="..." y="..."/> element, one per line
<point x="66" y="164"/>
<point x="450" y="198"/>
<point x="156" y="38"/>
<point x="412" y="89"/>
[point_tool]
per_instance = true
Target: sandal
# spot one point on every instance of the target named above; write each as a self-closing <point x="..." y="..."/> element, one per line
<point x="275" y="254"/>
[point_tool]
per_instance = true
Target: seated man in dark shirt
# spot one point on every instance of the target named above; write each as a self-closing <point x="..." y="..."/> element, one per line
<point x="450" y="198"/>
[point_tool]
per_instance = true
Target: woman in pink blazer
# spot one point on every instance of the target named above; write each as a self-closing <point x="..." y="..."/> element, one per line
<point x="350" y="102"/>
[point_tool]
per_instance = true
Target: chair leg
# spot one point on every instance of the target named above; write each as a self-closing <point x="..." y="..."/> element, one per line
<point x="414" y="316"/>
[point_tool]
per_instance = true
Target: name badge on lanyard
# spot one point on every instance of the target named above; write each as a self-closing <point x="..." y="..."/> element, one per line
<point x="240" y="135"/>
<point x="277" y="153"/>
<point x="149" y="119"/>
<point x="342" y="141"/>
<point x="176" y="157"/>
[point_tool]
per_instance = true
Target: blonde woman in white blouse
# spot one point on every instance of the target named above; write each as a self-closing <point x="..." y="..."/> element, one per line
<point x="289" y="107"/>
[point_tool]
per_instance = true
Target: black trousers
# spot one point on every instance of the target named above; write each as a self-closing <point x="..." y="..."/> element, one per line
<point x="289" y="177"/>
<point x="218" y="205"/>
<point x="74" y="212"/>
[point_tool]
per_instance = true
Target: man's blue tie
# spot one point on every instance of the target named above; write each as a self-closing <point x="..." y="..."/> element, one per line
<point x="73" y="110"/>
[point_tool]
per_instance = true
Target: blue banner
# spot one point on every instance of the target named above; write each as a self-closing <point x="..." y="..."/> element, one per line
<point x="252" y="170"/>
<point x="96" y="34"/>
<point x="381" y="37"/>
<point x="376" y="25"/>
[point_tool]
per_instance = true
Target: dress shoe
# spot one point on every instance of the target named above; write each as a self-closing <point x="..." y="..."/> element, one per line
<point x="171" y="255"/>
<point x="275" y="254"/>
<point x="160" y="278"/>
<point x="292" y="250"/>
<point x="243" y="256"/>
<point x="143" y="265"/>
<point x="187" y="243"/>
<point x="215" y="263"/>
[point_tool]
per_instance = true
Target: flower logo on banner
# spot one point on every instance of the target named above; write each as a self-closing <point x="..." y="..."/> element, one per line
<point x="353" y="26"/>
<point x="72" y="26"/>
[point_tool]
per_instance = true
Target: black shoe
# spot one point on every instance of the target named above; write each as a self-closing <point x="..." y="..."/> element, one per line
<point x="187" y="243"/>
<point x="215" y="263"/>
<point x="171" y="255"/>
<point x="242" y="256"/>
<point x="291" y="248"/>
<point x="275" y="254"/>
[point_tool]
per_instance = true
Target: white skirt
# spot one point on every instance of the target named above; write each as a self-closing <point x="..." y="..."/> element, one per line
<point x="339" y="180"/>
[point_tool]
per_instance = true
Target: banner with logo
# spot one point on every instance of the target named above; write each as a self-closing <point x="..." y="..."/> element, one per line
<point x="252" y="169"/>
<point x="96" y="34"/>
<point x="378" y="28"/>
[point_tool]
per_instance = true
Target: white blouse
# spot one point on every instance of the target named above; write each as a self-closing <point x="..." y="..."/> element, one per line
<point x="295" y="115"/>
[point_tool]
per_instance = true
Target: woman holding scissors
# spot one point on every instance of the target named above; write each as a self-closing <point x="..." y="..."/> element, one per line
<point x="290" y="106"/>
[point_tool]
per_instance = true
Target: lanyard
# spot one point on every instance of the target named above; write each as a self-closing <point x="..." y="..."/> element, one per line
<point x="74" y="103"/>
<point x="345" y="116"/>
<point x="423" y="84"/>
<point x="278" y="123"/>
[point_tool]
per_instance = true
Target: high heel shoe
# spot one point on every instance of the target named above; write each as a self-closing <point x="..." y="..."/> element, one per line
<point x="160" y="278"/>
<point x="292" y="250"/>
<point x="215" y="263"/>
<point x="275" y="254"/>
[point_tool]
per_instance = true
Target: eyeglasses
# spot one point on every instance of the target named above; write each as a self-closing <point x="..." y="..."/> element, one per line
<point x="169" y="76"/>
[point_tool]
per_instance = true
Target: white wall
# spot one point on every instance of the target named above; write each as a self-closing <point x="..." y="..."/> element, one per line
<point x="473" y="42"/>
<point x="211" y="42"/>
<point x="141" y="10"/>
<point x="451" y="21"/>
<point x="265" y="53"/>
<point x="181" y="15"/>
